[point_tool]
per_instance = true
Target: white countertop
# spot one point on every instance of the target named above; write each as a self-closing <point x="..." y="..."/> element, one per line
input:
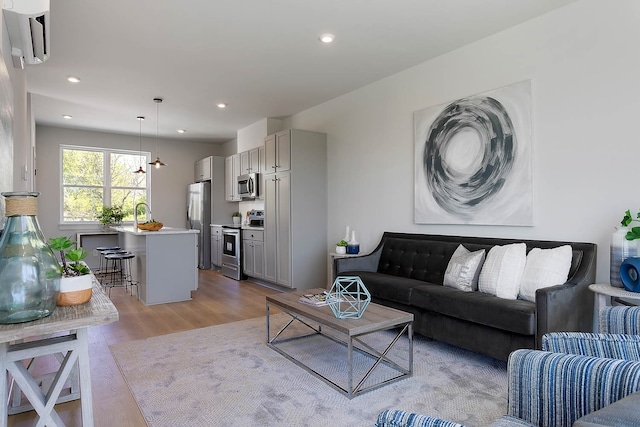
<point x="164" y="230"/>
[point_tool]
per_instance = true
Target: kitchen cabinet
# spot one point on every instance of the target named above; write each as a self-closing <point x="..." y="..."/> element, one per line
<point x="203" y="169"/>
<point x="250" y="161"/>
<point x="253" y="253"/>
<point x="295" y="203"/>
<point x="231" y="172"/>
<point x="216" y="246"/>
<point x="277" y="227"/>
<point x="278" y="152"/>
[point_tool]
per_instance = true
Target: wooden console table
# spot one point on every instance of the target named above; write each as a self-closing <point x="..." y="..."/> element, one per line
<point x="63" y="333"/>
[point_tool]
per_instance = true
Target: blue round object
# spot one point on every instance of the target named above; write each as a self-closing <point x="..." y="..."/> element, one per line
<point x="630" y="274"/>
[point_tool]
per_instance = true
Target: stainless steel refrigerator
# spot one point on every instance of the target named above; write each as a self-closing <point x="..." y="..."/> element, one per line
<point x="199" y="218"/>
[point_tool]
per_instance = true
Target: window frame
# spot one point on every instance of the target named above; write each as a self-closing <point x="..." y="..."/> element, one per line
<point x="106" y="185"/>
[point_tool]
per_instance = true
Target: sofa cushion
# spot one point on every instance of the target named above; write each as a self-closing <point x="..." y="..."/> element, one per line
<point x="385" y="286"/>
<point x="544" y="268"/>
<point x="424" y="260"/>
<point x="502" y="270"/>
<point x="511" y="315"/>
<point x="463" y="269"/>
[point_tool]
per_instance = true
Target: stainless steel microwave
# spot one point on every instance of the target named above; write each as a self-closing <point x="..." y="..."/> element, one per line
<point x="248" y="186"/>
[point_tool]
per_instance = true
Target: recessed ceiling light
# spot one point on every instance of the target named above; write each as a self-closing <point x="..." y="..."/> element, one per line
<point x="181" y="130"/>
<point x="73" y="79"/>
<point x="327" y="38"/>
<point x="67" y="116"/>
<point x="222" y="105"/>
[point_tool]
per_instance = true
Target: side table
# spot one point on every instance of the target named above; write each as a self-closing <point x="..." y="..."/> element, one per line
<point x="332" y="256"/>
<point x="603" y="295"/>
<point x="63" y="332"/>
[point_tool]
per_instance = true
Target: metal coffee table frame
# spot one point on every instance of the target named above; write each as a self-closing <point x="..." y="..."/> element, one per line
<point x="352" y="330"/>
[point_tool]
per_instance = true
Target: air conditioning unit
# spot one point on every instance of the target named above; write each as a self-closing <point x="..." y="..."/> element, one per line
<point x="27" y="23"/>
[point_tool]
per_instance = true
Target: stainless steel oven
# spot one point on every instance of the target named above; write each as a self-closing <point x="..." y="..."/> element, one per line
<point x="231" y="253"/>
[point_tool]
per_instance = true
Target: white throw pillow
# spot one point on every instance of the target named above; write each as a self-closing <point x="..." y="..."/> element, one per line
<point x="502" y="270"/>
<point x="544" y="268"/>
<point x="463" y="269"/>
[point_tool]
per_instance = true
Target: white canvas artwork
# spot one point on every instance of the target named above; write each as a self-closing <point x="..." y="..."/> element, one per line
<point x="473" y="160"/>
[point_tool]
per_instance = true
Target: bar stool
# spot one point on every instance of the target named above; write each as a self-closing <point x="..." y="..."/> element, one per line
<point x="104" y="273"/>
<point x="120" y="272"/>
<point x="102" y="250"/>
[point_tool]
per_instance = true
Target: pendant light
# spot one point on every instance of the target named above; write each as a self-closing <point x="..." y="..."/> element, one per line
<point x="157" y="163"/>
<point x="140" y="170"/>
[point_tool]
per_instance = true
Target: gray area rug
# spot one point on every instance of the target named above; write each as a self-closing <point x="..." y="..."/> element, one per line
<point x="225" y="375"/>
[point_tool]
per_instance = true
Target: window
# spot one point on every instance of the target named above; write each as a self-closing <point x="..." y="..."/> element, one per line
<point x="93" y="177"/>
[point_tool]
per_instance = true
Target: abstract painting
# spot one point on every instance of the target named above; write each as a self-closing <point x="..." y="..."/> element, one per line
<point x="473" y="160"/>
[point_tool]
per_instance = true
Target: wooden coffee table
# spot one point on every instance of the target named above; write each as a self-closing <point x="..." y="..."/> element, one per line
<point x="347" y="332"/>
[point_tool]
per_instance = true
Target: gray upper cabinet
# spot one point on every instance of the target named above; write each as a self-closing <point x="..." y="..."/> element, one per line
<point x="231" y="172"/>
<point x="278" y="152"/>
<point x="250" y="161"/>
<point x="203" y="170"/>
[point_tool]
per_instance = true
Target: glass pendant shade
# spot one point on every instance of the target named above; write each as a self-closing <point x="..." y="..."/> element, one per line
<point x="29" y="271"/>
<point x="157" y="163"/>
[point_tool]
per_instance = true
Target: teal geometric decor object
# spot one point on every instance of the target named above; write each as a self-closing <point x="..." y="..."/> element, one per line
<point x="348" y="297"/>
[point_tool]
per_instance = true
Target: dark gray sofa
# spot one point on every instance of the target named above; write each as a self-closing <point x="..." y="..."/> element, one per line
<point x="406" y="272"/>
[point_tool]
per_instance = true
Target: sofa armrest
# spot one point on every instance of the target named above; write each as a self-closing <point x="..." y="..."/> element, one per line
<point x="556" y="388"/>
<point x="620" y="320"/>
<point x="568" y="307"/>
<point x="397" y="418"/>
<point x="623" y="413"/>
<point x="367" y="262"/>
<point x="612" y="346"/>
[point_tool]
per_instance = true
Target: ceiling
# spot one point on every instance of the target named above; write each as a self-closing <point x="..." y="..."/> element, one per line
<point x="261" y="57"/>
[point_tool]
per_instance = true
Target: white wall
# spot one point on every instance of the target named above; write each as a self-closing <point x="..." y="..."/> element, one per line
<point x="253" y="135"/>
<point x="168" y="184"/>
<point x="584" y="63"/>
<point x="15" y="123"/>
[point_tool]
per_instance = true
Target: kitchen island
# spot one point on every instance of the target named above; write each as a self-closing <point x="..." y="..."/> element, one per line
<point x="165" y="264"/>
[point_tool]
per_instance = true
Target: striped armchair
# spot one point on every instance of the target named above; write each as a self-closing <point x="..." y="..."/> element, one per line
<point x="578" y="379"/>
<point x="619" y="336"/>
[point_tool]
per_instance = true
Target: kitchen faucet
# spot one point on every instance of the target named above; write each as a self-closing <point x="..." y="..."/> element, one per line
<point x="135" y="213"/>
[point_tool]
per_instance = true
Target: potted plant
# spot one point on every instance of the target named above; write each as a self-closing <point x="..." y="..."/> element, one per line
<point x="236" y="217"/>
<point x="627" y="219"/>
<point x="76" y="282"/>
<point x="341" y="247"/>
<point x="111" y="215"/>
<point x="624" y="244"/>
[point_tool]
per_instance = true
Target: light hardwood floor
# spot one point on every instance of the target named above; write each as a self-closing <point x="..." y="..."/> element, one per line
<point x="218" y="300"/>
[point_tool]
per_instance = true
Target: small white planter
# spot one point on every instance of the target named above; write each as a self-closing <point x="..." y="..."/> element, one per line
<point x="75" y="290"/>
<point x="341" y="250"/>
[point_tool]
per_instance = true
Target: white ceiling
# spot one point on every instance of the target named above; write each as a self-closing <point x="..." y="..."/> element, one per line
<point x="261" y="57"/>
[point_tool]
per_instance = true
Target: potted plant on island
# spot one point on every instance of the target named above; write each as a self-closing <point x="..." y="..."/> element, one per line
<point x="76" y="282"/>
<point x="111" y="215"/>
<point x="341" y="247"/>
